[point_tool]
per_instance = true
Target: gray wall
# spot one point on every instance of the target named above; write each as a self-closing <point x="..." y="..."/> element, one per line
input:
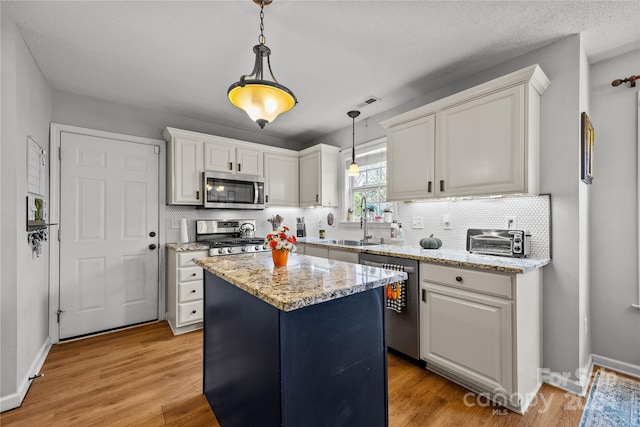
<point x="615" y="324"/>
<point x="24" y="292"/>
<point x="563" y="62"/>
<point x="93" y="113"/>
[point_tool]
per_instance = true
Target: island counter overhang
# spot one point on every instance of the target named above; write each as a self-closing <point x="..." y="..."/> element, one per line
<point x="297" y="345"/>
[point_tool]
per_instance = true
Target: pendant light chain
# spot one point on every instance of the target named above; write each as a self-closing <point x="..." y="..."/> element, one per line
<point x="262" y="39"/>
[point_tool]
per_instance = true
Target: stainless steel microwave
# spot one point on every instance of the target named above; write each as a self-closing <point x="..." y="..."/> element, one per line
<point x="229" y="191"/>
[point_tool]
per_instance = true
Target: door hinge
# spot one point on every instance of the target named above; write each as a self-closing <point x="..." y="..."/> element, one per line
<point x="59" y="153"/>
<point x="58" y="314"/>
<point x="156" y="149"/>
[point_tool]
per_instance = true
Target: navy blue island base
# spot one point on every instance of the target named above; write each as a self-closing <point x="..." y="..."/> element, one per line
<point x="321" y="365"/>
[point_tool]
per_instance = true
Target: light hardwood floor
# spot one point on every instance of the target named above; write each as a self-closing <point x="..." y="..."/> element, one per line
<point x="145" y="376"/>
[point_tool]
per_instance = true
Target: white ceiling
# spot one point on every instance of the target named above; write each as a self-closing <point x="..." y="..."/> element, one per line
<point x="180" y="57"/>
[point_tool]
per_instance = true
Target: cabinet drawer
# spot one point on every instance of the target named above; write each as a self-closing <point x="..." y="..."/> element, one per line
<point x="190" y="291"/>
<point x="190" y="312"/>
<point x="185" y="259"/>
<point x="189" y="273"/>
<point x="477" y="281"/>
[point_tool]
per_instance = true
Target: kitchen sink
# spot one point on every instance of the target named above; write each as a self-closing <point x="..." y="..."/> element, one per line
<point x="355" y="243"/>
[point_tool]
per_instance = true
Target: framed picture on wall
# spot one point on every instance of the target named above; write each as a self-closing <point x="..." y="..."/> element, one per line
<point x="586" y="149"/>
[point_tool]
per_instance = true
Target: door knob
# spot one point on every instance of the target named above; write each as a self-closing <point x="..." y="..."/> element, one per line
<point x="152" y="246"/>
<point x="152" y="234"/>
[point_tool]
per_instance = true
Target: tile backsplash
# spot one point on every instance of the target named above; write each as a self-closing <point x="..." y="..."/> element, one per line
<point x="530" y="213"/>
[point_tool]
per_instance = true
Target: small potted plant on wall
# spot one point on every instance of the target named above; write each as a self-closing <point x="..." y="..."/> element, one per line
<point x="387" y="215"/>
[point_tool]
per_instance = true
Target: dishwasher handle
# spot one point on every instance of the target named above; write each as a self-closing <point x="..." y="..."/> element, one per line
<point x="408" y="270"/>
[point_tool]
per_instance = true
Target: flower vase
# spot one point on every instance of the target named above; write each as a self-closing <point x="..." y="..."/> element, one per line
<point x="280" y="257"/>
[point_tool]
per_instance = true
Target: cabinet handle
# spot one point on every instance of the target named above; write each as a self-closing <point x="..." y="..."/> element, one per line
<point x="194" y="274"/>
<point x="459" y="279"/>
<point x="317" y="197"/>
<point x="442" y="185"/>
<point x="266" y="199"/>
<point x="193" y="291"/>
<point x="230" y="166"/>
<point x="239" y="167"/>
<point x="424" y="295"/>
<point x="428" y="186"/>
<point x="193" y="312"/>
<point x="198" y="194"/>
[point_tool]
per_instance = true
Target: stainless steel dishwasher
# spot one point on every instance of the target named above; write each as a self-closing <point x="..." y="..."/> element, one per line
<point x="402" y="330"/>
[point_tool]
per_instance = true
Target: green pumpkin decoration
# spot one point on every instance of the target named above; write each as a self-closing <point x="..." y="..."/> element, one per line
<point x="431" y="242"/>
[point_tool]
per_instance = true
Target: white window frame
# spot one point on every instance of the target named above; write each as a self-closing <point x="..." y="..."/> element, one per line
<point x="345" y="155"/>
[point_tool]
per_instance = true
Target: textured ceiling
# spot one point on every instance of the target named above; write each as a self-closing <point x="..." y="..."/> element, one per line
<point x="180" y="57"/>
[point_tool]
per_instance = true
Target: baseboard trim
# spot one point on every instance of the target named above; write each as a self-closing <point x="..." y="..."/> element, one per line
<point x="14" y="400"/>
<point x="617" y="365"/>
<point x="562" y="381"/>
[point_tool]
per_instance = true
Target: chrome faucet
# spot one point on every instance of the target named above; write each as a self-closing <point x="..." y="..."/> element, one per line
<point x="363" y="219"/>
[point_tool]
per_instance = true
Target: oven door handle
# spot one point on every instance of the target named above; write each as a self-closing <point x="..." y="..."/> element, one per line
<point x="408" y="270"/>
<point x="256" y="193"/>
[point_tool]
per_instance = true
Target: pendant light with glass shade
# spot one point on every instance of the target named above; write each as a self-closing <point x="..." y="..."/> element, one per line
<point x="353" y="167"/>
<point x="263" y="100"/>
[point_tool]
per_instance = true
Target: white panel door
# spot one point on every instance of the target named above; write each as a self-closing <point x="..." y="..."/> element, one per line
<point x="109" y="234"/>
<point x="480" y="146"/>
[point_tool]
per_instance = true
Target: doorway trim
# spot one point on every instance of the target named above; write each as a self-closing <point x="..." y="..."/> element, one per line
<point x="55" y="132"/>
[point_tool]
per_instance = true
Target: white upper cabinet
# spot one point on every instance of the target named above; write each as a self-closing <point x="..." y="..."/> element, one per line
<point x="281" y="179"/>
<point x="223" y="156"/>
<point x="319" y="176"/>
<point x="249" y="161"/>
<point x="481" y="146"/>
<point x="410" y="167"/>
<point x="184" y="156"/>
<point x="189" y="154"/>
<point x="482" y="141"/>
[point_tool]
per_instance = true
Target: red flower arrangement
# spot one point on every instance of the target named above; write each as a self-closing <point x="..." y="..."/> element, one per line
<point x="280" y="240"/>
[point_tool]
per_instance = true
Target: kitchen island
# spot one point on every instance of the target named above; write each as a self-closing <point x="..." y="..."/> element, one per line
<point x="297" y="345"/>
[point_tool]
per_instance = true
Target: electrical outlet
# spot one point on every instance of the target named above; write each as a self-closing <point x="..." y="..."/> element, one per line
<point x="510" y="222"/>
<point x="417" y="222"/>
<point x="446" y="220"/>
<point x="175" y="223"/>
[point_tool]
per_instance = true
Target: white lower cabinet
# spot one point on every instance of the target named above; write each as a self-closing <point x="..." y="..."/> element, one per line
<point x="482" y="330"/>
<point x="184" y="291"/>
<point x="329" y="253"/>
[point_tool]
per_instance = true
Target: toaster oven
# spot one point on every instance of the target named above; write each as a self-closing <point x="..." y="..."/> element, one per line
<point x="512" y="243"/>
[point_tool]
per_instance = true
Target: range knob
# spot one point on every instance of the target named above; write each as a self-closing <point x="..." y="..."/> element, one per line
<point x="229" y="250"/>
<point x="244" y="249"/>
<point x="257" y="248"/>
<point x="264" y="247"/>
<point x="220" y="250"/>
<point x="516" y="249"/>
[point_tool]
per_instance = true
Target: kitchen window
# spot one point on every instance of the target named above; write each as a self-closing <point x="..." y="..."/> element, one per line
<point x="372" y="181"/>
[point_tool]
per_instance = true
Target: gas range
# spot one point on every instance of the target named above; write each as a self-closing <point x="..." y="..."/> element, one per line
<point x="225" y="237"/>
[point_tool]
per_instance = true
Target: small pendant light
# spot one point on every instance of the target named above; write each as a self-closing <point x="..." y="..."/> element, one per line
<point x="353" y="167"/>
<point x="263" y="100"/>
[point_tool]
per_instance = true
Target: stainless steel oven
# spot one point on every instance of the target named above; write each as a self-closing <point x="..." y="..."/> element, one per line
<point x="402" y="330"/>
<point x="226" y="190"/>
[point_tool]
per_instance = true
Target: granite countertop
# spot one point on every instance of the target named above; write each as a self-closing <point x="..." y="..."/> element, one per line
<point x="455" y="258"/>
<point x="303" y="282"/>
<point x="188" y="247"/>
